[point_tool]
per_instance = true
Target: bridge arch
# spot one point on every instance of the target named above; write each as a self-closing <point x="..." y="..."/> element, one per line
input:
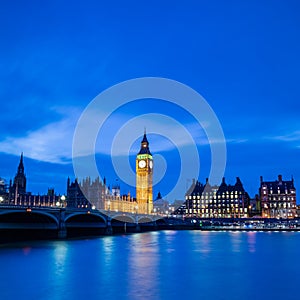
<point x="28" y="215"/>
<point x="145" y="219"/>
<point x="123" y="218"/>
<point x="85" y="215"/>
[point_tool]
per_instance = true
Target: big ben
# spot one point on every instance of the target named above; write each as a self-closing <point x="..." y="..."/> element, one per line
<point x="144" y="178"/>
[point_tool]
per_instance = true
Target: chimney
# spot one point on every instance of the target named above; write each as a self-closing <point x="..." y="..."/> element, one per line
<point x="280" y="178"/>
<point x="261" y="179"/>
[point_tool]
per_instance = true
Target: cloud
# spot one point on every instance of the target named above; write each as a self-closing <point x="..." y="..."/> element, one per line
<point x="53" y="142"/>
<point x="289" y="137"/>
<point x="236" y="140"/>
<point x="50" y="143"/>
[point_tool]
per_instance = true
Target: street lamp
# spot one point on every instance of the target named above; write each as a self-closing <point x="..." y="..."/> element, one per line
<point x="62" y="200"/>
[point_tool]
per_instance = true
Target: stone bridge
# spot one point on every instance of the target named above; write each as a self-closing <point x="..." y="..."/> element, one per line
<point x="63" y="222"/>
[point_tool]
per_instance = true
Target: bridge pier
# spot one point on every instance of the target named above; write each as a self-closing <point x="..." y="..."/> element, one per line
<point x="62" y="231"/>
<point x="137" y="227"/>
<point x="108" y="230"/>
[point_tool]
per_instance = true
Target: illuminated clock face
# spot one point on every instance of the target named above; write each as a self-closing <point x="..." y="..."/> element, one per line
<point x="150" y="164"/>
<point x="142" y="164"/>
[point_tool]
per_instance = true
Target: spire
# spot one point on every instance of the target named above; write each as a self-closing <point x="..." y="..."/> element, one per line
<point x="145" y="145"/>
<point x="19" y="185"/>
<point x="158" y="196"/>
<point x="21" y="165"/>
<point x="145" y="140"/>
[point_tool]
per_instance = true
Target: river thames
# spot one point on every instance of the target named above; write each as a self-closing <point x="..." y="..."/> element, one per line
<point x="155" y="265"/>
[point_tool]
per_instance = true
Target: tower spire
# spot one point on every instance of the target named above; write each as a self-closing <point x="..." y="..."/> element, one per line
<point x="21" y="165"/>
<point x="19" y="185"/>
<point x="145" y="145"/>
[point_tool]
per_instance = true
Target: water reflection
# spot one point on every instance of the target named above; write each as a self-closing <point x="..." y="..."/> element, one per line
<point x="169" y="236"/>
<point x="202" y="242"/>
<point x="26" y="250"/>
<point x="107" y="250"/>
<point x="251" y="238"/>
<point x="60" y="254"/>
<point x="236" y="240"/>
<point x="143" y="266"/>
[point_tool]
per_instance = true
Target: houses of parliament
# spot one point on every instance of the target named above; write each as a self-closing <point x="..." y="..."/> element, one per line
<point x="89" y="194"/>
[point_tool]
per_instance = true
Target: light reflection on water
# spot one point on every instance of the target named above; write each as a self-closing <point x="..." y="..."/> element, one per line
<point x="60" y="254"/>
<point x="154" y="265"/>
<point x="251" y="238"/>
<point x="144" y="259"/>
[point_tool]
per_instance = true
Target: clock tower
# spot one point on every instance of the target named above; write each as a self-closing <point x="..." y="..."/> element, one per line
<point x="144" y="178"/>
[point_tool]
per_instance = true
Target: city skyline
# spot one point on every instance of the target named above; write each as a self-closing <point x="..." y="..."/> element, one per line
<point x="7" y="184"/>
<point x="242" y="57"/>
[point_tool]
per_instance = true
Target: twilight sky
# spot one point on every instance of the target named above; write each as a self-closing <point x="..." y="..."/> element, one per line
<point x="241" y="56"/>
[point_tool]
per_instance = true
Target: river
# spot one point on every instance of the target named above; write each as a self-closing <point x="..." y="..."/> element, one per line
<point x="154" y="265"/>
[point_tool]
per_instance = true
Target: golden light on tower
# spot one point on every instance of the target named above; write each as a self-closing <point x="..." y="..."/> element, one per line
<point x="144" y="178"/>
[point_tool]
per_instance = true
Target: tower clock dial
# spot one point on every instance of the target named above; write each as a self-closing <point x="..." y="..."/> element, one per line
<point x="142" y="164"/>
<point x="151" y="164"/>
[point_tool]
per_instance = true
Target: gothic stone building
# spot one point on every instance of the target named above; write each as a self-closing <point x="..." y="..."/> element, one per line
<point x="18" y="195"/>
<point x="94" y="194"/>
<point x="278" y="198"/>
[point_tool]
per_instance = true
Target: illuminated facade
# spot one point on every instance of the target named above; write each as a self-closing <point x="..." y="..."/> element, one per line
<point x="94" y="194"/>
<point x="278" y="198"/>
<point x="224" y="201"/>
<point x="144" y="178"/>
<point x="49" y="200"/>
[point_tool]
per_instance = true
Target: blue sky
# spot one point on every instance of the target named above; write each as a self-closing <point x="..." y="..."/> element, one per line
<point x="241" y="56"/>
